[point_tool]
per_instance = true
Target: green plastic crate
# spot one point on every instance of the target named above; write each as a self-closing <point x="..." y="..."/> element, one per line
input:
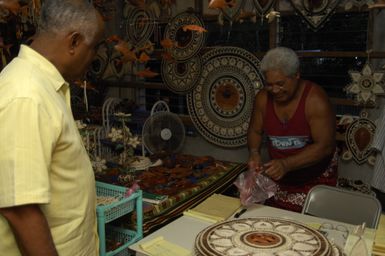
<point x="110" y="212"/>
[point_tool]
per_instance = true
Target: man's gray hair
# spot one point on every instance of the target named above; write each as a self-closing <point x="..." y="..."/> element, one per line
<point x="281" y="58"/>
<point x="63" y="16"/>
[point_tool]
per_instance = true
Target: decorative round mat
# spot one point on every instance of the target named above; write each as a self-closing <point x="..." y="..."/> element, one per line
<point x="188" y="43"/>
<point x="222" y="101"/>
<point x="140" y="25"/>
<point x="181" y="77"/>
<point x="262" y="236"/>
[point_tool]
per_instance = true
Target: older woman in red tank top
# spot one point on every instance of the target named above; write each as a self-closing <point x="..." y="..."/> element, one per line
<point x="297" y="119"/>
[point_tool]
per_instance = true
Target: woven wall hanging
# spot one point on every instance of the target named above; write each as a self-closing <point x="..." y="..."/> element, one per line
<point x="221" y="103"/>
<point x="315" y="13"/>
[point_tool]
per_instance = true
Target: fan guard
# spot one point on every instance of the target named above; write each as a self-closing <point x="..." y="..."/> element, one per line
<point x="163" y="131"/>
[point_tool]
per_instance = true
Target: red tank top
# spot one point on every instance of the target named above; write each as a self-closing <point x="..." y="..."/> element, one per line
<point x="286" y="139"/>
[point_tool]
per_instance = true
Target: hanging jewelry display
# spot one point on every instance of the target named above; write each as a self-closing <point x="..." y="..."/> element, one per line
<point x="221" y="103"/>
<point x="187" y="42"/>
<point x="366" y="85"/>
<point x="181" y="76"/>
<point x="315" y="13"/>
<point x="140" y="24"/>
<point x="358" y="137"/>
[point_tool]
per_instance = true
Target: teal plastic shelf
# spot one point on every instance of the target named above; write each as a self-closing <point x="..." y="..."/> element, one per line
<point x="110" y="212"/>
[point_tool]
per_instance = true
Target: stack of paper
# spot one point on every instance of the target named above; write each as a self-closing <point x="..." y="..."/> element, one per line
<point x="379" y="241"/>
<point x="161" y="247"/>
<point x="215" y="208"/>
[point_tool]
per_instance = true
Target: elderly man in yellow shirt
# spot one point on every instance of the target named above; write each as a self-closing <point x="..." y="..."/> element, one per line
<point x="47" y="185"/>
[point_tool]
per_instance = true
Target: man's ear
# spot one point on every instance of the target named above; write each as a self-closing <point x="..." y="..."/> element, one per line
<point x="75" y="39"/>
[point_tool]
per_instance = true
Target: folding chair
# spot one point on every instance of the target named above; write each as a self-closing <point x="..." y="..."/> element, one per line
<point x="342" y="205"/>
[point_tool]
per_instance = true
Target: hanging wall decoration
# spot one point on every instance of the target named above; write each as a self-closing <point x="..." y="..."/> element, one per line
<point x="181" y="76"/>
<point x="349" y="4"/>
<point x="377" y="4"/>
<point x="230" y="9"/>
<point x="233" y="11"/>
<point x="366" y="85"/>
<point x="186" y="42"/>
<point x="263" y="6"/>
<point x="315" y="13"/>
<point x="140" y="25"/>
<point x="221" y="103"/>
<point x="358" y="137"/>
<point x="99" y="63"/>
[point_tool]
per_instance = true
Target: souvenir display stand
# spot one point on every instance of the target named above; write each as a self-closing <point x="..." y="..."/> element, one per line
<point x="109" y="212"/>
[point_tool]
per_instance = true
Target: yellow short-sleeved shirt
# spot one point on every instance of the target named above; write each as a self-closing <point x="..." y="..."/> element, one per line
<point x="42" y="157"/>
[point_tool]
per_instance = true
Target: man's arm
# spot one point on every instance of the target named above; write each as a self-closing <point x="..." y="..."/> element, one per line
<point x="255" y="131"/>
<point x="31" y="230"/>
<point x="321" y="120"/>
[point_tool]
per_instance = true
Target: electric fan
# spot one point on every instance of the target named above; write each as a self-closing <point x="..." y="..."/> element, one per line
<point x="163" y="131"/>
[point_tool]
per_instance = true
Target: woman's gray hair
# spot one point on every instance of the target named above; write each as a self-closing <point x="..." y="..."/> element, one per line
<point x="63" y="16"/>
<point x="281" y="58"/>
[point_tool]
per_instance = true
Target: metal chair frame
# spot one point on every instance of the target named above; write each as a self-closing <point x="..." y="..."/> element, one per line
<point x="343" y="205"/>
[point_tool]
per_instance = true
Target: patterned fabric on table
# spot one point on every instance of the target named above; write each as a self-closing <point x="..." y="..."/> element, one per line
<point x="186" y="188"/>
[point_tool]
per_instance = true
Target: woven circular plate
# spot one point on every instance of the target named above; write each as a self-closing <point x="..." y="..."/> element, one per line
<point x="222" y="101"/>
<point x="262" y="236"/>
<point x="182" y="76"/>
<point x="188" y="43"/>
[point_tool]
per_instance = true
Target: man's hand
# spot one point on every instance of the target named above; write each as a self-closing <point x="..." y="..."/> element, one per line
<point x="276" y="169"/>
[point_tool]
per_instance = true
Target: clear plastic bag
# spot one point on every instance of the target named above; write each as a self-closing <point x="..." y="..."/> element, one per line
<point x="254" y="187"/>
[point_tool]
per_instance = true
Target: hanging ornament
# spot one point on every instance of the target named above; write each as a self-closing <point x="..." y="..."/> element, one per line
<point x="315" y="13"/>
<point x="272" y="15"/>
<point x="378" y="4"/>
<point x="366" y="85"/>
<point x="358" y="137"/>
<point x="263" y="6"/>
<point x="349" y="4"/>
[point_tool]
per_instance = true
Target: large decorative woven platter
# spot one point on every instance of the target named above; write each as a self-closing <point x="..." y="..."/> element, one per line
<point x="140" y="25"/>
<point x="188" y="42"/>
<point x="182" y="76"/>
<point x="315" y="13"/>
<point x="262" y="236"/>
<point x="221" y="103"/>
